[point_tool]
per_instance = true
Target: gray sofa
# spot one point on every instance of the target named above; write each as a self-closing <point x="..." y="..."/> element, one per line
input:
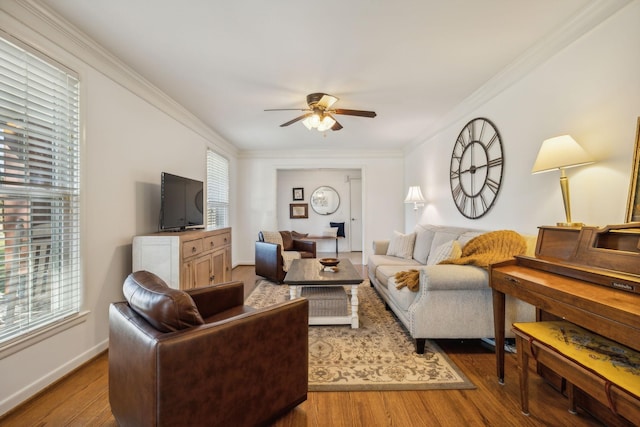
<point x="453" y="301"/>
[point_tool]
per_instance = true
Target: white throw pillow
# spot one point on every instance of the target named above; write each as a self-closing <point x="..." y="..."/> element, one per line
<point x="448" y="250"/>
<point x="330" y="232"/>
<point x="401" y="245"/>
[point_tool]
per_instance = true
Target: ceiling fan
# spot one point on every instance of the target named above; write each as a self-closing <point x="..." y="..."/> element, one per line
<point x="319" y="114"/>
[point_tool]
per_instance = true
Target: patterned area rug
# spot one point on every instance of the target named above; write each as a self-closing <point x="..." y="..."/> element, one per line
<point x="377" y="356"/>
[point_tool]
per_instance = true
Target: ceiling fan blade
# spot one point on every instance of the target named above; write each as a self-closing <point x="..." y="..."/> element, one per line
<point x="327" y="101"/>
<point x="359" y="113"/>
<point x="287" y="109"/>
<point x="320" y="100"/>
<point x="336" y="125"/>
<point x="295" y="120"/>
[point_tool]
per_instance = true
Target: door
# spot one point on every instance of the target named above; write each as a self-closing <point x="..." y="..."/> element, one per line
<point x="202" y="271"/>
<point x="355" y="228"/>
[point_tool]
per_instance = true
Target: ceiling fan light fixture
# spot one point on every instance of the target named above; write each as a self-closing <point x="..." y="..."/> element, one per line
<point x="326" y="124"/>
<point x="312" y="121"/>
<point x="320" y="113"/>
<point x="321" y="122"/>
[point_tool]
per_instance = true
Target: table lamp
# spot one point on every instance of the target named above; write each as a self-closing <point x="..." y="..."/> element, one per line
<point x="561" y="152"/>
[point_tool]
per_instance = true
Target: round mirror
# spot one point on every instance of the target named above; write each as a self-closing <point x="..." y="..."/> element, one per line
<point x="325" y="200"/>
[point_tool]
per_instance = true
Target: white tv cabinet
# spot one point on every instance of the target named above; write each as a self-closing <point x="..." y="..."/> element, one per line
<point x="185" y="259"/>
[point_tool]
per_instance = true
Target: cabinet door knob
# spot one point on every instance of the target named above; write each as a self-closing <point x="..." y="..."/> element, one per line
<point x="193" y="249"/>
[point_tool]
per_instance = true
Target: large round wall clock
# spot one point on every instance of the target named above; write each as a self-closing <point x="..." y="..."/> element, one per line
<point x="476" y="168"/>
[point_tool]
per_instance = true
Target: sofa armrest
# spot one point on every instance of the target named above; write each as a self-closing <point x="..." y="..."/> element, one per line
<point x="450" y="277"/>
<point x="305" y="246"/>
<point x="214" y="299"/>
<point x="380" y="247"/>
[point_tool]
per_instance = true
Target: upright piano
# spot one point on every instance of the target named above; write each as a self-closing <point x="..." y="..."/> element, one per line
<point x="588" y="276"/>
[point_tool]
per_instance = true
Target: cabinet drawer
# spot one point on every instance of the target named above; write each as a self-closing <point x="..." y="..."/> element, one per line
<point x="191" y="248"/>
<point x="219" y="240"/>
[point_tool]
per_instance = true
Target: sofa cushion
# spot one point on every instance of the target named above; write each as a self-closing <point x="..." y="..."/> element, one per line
<point x="297" y="235"/>
<point x="376" y="261"/>
<point x="401" y="245"/>
<point x="447" y="250"/>
<point x="424" y="238"/>
<point x="444" y="235"/>
<point x="386" y="272"/>
<point x="402" y="297"/>
<point x="287" y="240"/>
<point x="165" y="308"/>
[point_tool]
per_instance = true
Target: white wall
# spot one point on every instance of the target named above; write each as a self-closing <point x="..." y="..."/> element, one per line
<point x="590" y="90"/>
<point x="126" y="143"/>
<point x="309" y="180"/>
<point x="382" y="194"/>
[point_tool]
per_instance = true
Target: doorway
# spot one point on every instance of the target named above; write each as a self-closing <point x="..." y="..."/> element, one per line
<point x="347" y="182"/>
<point x="355" y="203"/>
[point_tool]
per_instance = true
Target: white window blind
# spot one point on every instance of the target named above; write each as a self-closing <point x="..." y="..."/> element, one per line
<point x="217" y="190"/>
<point x="39" y="192"/>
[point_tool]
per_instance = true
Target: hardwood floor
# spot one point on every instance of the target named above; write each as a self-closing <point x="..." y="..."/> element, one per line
<point x="81" y="399"/>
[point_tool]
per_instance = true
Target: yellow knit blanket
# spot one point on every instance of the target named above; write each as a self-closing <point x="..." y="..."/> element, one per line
<point x="490" y="248"/>
<point x="410" y="279"/>
<point x="480" y="251"/>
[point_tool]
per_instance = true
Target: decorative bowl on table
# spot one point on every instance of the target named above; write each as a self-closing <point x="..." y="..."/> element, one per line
<point x="329" y="262"/>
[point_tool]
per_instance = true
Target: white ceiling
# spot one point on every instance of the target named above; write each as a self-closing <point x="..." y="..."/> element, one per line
<point x="414" y="62"/>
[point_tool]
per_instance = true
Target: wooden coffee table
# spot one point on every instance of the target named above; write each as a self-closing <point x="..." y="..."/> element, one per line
<point x="308" y="272"/>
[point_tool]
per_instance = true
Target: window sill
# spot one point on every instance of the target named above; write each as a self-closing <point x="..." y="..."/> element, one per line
<point x="20" y="343"/>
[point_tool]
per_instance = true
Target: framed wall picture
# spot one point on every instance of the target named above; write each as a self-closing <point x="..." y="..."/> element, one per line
<point x="633" y="204"/>
<point x="298" y="194"/>
<point x="298" y="210"/>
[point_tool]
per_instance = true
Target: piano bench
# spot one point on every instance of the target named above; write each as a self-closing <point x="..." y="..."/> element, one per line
<point x="601" y="368"/>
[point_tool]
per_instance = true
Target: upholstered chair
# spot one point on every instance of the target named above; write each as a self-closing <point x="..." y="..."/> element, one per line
<point x="202" y="358"/>
<point x="276" y="249"/>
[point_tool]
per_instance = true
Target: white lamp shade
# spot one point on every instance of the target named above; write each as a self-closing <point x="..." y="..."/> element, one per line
<point x="414" y="195"/>
<point x="560" y="152"/>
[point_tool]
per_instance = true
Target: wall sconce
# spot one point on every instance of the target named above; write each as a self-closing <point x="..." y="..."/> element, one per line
<point x="562" y="152"/>
<point x="415" y="196"/>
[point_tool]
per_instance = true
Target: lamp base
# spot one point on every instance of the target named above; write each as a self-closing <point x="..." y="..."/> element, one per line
<point x="570" y="224"/>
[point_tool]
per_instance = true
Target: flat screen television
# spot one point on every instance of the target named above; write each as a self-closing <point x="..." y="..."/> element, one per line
<point x="180" y="203"/>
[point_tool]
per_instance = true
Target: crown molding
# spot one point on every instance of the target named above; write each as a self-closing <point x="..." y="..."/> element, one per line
<point x="319" y="154"/>
<point x="43" y="20"/>
<point x="585" y="21"/>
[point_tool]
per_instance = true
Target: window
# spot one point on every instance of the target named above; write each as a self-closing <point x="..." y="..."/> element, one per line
<point x="217" y="190"/>
<point x="39" y="193"/>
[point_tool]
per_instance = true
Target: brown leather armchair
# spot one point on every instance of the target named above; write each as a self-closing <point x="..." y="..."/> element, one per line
<point x="202" y="358"/>
<point x="269" y="261"/>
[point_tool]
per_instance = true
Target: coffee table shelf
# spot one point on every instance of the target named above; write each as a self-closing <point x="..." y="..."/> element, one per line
<point x="309" y="274"/>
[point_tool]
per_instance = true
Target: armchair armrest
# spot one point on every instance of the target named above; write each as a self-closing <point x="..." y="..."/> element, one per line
<point x="213" y="368"/>
<point x="380" y="247"/>
<point x="305" y="246"/>
<point x="268" y="260"/>
<point x="214" y="299"/>
<point x="227" y="352"/>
